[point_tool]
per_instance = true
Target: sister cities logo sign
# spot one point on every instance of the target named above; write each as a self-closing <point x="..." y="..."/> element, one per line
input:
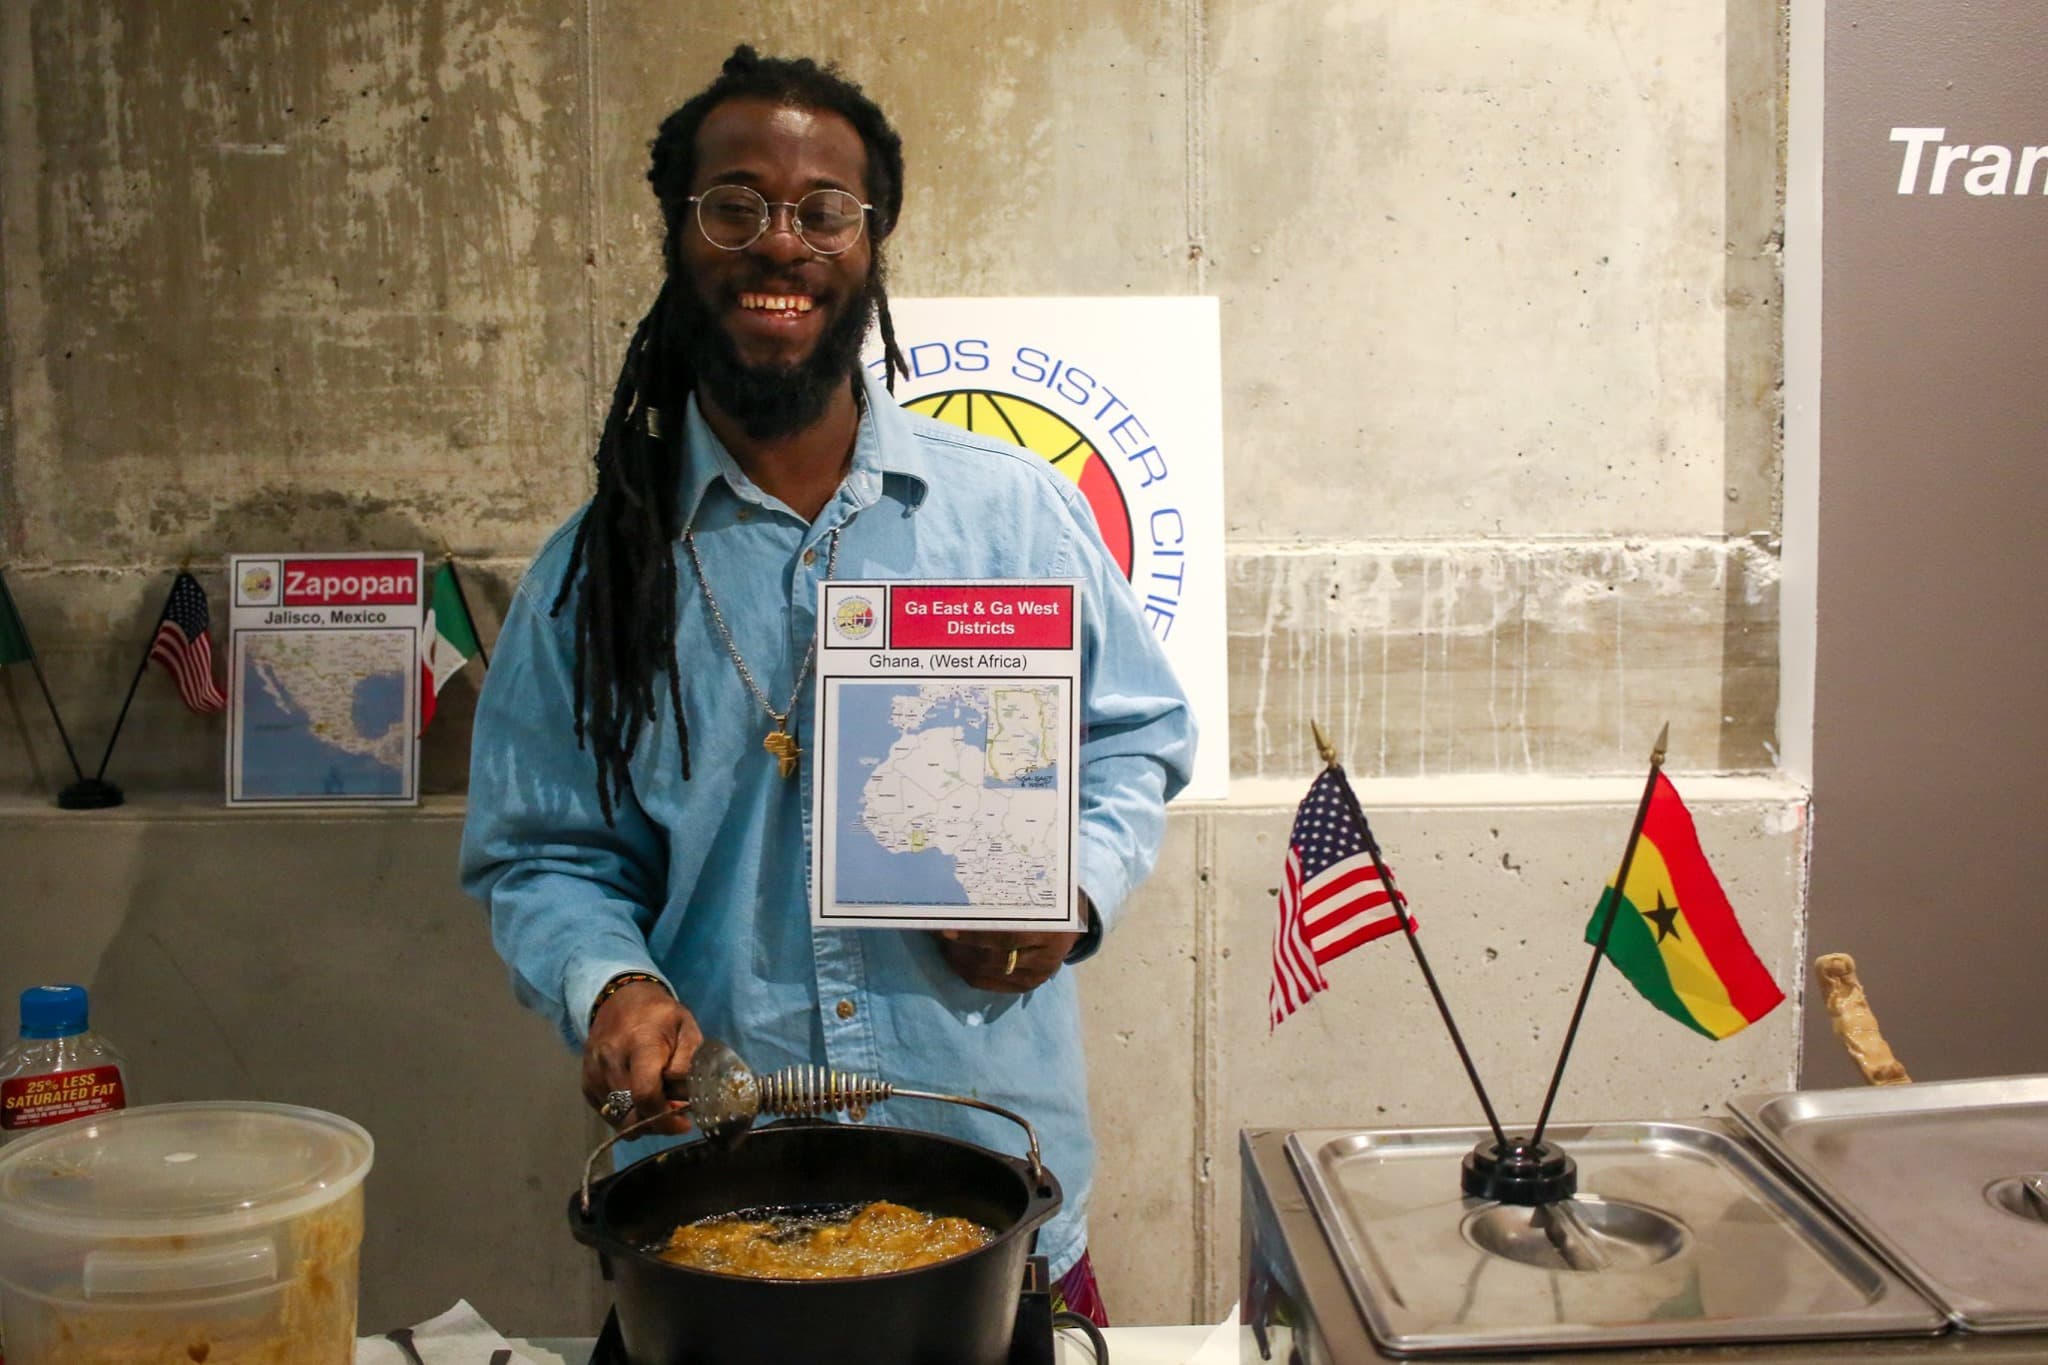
<point x="1122" y="397"/>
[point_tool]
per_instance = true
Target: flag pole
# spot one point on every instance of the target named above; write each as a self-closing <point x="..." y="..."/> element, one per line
<point x="463" y="597"/>
<point x="8" y="604"/>
<point x="1628" y="855"/>
<point x="1329" y="753"/>
<point x="136" y="681"/>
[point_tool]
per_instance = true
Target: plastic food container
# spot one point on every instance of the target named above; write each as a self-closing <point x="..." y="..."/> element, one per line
<point x="216" y="1233"/>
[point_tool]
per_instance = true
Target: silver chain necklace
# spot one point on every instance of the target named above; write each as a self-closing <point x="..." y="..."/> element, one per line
<point x="779" y="741"/>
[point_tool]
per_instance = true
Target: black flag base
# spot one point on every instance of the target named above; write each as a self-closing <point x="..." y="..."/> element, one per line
<point x="89" y="793"/>
<point x="1519" y="1172"/>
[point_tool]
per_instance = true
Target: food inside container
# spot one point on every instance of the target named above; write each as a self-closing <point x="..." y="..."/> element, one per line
<point x="822" y="1241"/>
<point x="215" y="1233"/>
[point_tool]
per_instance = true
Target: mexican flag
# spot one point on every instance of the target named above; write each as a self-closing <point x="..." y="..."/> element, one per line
<point x="449" y="641"/>
<point x="1675" y="937"/>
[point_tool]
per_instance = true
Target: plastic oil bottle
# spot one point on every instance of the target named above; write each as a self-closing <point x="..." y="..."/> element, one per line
<point x="58" y="1070"/>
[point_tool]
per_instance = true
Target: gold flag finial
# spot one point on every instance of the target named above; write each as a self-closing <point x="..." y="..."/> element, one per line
<point x="1663" y="738"/>
<point x="1323" y="745"/>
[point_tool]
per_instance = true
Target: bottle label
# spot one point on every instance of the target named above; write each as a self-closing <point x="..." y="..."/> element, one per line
<point x="34" y="1101"/>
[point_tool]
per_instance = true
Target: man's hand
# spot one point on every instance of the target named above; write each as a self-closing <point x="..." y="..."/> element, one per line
<point x="642" y="1039"/>
<point x="1012" y="964"/>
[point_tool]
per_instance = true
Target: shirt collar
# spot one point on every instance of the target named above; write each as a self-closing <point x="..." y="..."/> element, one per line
<point x="888" y="459"/>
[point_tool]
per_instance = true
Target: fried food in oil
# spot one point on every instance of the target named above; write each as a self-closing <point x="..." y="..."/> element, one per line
<point x="881" y="1237"/>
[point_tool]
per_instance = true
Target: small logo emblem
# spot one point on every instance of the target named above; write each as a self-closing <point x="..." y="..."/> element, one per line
<point x="854" y="619"/>
<point x="257" y="586"/>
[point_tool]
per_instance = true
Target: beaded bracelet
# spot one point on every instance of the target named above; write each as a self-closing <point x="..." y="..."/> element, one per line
<point x="620" y="982"/>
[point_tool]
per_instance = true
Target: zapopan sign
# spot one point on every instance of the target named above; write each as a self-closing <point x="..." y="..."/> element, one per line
<point x="351" y="583"/>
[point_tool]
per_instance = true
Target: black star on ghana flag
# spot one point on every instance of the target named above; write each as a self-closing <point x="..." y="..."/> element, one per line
<point x="1665" y="917"/>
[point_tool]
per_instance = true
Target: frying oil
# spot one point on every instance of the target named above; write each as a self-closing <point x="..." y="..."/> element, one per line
<point x="808" y="1244"/>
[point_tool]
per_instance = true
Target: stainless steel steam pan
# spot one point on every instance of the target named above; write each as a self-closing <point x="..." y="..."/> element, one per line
<point x="1681" y="1233"/>
<point x="1934" y="1176"/>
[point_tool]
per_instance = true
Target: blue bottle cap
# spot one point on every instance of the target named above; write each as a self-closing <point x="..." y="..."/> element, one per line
<point x="52" y="1011"/>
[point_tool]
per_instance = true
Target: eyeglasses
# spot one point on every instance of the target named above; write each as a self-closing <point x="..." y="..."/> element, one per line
<point x="734" y="217"/>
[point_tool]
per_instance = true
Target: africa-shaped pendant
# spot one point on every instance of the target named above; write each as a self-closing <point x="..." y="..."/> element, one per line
<point x="783" y="745"/>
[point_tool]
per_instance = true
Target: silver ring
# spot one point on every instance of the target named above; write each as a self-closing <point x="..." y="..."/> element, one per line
<point x="617" y="1104"/>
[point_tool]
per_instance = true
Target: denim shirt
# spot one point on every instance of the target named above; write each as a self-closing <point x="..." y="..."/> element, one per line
<point x="705" y="882"/>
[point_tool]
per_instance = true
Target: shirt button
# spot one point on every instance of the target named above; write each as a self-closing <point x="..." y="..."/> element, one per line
<point x="845" y="1009"/>
<point x="810" y="557"/>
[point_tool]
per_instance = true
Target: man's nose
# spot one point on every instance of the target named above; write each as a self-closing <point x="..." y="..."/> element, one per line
<point x="780" y="238"/>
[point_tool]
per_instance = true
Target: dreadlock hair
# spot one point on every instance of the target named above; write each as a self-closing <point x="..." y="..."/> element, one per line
<point x="625" y="616"/>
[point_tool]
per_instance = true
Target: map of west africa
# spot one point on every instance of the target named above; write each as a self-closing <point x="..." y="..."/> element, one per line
<point x="949" y="794"/>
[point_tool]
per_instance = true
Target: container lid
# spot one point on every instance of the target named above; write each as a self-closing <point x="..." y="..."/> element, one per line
<point x="195" y="1169"/>
<point x="53" y="1011"/>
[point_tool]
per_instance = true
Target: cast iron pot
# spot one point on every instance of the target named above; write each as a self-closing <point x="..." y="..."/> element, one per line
<point x="956" y="1312"/>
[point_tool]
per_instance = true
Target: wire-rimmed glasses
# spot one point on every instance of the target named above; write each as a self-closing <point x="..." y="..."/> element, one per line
<point x="734" y="217"/>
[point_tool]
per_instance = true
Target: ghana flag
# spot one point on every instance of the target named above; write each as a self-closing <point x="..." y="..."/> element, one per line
<point x="1675" y="937"/>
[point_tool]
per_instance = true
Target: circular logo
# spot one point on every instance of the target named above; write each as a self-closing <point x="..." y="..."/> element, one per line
<point x="855" y="618"/>
<point x="1006" y="417"/>
<point x="258" y="583"/>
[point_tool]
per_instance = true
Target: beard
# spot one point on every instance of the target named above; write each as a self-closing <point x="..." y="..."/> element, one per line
<point x="772" y="401"/>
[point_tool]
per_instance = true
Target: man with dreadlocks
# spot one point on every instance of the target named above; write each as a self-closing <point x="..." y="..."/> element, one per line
<point x="638" y="804"/>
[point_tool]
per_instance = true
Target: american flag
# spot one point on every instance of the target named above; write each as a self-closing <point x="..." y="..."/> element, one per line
<point x="184" y="649"/>
<point x="1331" y="899"/>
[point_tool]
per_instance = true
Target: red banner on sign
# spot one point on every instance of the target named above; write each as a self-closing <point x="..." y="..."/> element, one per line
<point x="351" y="582"/>
<point x="993" y="617"/>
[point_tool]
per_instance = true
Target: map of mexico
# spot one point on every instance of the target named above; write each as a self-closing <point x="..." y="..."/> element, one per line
<point x="344" y="694"/>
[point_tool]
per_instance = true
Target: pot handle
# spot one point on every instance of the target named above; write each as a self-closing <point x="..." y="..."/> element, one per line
<point x="807" y="1091"/>
<point x="1030" y="1133"/>
<point x="605" y="1146"/>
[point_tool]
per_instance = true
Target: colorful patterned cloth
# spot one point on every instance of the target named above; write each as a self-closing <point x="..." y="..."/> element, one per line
<point x="1077" y="1292"/>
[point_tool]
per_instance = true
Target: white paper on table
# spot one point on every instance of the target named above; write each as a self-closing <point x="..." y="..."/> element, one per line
<point x="457" y="1337"/>
<point x="1221" y="1347"/>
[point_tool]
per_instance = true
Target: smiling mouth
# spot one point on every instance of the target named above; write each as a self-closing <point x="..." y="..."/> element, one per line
<point x="779" y="305"/>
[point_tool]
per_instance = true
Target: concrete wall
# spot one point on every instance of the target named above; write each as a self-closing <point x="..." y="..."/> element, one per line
<point x="1930" y="738"/>
<point x="1499" y="300"/>
<point x="1498" y="287"/>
